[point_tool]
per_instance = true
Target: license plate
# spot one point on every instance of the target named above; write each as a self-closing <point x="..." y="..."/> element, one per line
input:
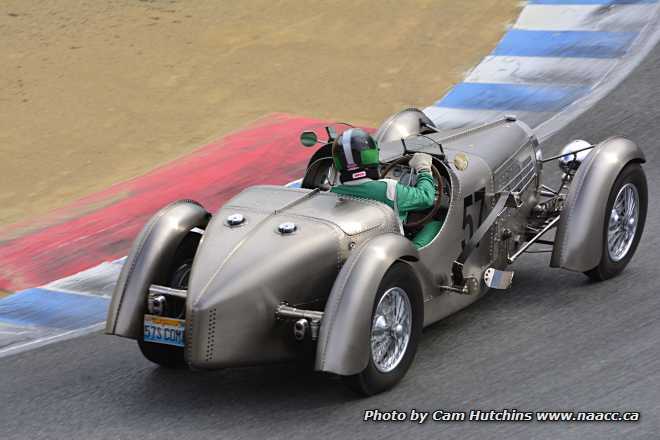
<point x="164" y="330"/>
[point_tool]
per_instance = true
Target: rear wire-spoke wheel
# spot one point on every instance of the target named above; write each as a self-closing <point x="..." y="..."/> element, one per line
<point x="396" y="326"/>
<point x="390" y="329"/>
<point x="624" y="222"/>
<point x="178" y="277"/>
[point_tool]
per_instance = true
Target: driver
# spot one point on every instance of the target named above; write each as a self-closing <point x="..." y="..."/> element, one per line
<point x="356" y="158"/>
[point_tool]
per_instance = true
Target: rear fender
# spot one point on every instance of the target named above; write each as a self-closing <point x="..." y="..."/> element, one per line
<point x="579" y="239"/>
<point x="343" y="346"/>
<point x="150" y="257"/>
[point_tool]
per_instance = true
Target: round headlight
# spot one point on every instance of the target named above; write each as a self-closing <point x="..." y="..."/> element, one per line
<point x="570" y="160"/>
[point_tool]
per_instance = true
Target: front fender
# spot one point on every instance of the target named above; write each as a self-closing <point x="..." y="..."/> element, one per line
<point x="150" y="256"/>
<point x="579" y="240"/>
<point x="343" y="346"/>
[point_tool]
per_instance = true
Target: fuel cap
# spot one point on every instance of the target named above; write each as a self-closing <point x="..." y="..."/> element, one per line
<point x="235" y="219"/>
<point x="286" y="228"/>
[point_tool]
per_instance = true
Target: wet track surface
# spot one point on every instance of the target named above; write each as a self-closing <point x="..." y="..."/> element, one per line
<point x="554" y="341"/>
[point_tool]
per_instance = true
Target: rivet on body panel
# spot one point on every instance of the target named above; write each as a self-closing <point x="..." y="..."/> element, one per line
<point x="235" y="220"/>
<point x="286" y="228"/>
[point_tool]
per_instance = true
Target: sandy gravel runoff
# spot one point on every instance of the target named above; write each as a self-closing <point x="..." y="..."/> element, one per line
<point x="94" y="92"/>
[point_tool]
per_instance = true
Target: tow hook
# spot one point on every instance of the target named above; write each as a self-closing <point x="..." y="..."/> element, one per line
<point x="157" y="304"/>
<point x="307" y="322"/>
<point x="304" y="327"/>
<point x="300" y="329"/>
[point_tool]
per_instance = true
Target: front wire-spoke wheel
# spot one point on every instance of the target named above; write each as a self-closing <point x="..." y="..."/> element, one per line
<point x="625" y="215"/>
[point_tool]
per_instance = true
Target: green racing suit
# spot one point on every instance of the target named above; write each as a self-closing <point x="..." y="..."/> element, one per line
<point x="407" y="199"/>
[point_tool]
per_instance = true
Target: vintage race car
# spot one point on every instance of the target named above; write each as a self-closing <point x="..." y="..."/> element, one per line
<point x="282" y="273"/>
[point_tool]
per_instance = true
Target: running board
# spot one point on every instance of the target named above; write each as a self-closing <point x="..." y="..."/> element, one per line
<point x="498" y="279"/>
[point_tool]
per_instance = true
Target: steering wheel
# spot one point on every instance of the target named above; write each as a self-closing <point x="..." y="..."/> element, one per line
<point x="438" y="194"/>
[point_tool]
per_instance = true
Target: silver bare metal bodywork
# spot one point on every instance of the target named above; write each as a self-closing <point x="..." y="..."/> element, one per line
<point x="242" y="274"/>
<point x="273" y="255"/>
<point x="579" y="239"/>
<point x="147" y="262"/>
<point x="404" y="124"/>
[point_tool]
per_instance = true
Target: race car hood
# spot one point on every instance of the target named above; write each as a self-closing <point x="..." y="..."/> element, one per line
<point x="241" y="273"/>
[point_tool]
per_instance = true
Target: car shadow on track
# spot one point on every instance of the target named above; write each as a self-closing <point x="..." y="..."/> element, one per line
<point x="248" y="385"/>
<point x="494" y="352"/>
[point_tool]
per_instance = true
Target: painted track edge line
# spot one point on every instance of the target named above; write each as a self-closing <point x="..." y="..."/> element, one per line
<point x="69" y="334"/>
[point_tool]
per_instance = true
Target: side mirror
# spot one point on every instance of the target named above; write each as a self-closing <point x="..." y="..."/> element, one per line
<point x="308" y="138"/>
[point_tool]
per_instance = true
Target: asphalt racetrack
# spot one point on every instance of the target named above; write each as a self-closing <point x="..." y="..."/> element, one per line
<point x="555" y="341"/>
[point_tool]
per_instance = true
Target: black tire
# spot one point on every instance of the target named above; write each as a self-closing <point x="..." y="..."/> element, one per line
<point x="372" y="381"/>
<point x="166" y="355"/>
<point x="607" y="268"/>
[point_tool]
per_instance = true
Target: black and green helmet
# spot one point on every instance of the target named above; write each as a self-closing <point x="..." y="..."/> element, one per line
<point x="356" y="155"/>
